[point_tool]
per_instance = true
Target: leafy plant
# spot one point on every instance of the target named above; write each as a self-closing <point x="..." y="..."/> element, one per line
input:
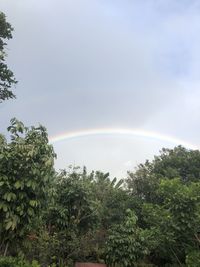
<point x="125" y="245"/>
<point x="15" y="262"/>
<point x="193" y="259"/>
<point x="7" y="78"/>
<point x="26" y="163"/>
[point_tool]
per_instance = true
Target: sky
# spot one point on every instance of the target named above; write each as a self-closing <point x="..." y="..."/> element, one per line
<point x="99" y="64"/>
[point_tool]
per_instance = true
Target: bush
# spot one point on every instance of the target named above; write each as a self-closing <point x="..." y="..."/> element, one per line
<point x="15" y="262"/>
<point x="193" y="259"/>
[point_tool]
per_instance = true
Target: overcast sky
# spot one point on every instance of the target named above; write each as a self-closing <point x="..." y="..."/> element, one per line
<point x="87" y="64"/>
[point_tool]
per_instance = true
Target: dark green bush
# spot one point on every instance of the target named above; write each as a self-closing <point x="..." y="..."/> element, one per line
<point x="193" y="259"/>
<point x="15" y="262"/>
<point x="7" y="262"/>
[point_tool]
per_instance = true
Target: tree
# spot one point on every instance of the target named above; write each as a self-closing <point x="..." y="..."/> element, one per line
<point x="81" y="209"/>
<point x="174" y="222"/>
<point x="7" y="78"/>
<point x="26" y="163"/>
<point x="171" y="163"/>
<point x="112" y="197"/>
<point x="125" y="243"/>
<point x="74" y="204"/>
<point x="167" y="190"/>
<point x="71" y="217"/>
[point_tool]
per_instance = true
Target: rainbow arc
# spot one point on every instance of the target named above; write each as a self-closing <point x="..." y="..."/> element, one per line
<point x="121" y="132"/>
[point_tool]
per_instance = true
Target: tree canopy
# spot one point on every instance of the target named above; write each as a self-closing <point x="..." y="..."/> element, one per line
<point x="26" y="164"/>
<point x="152" y="217"/>
<point x="7" y="79"/>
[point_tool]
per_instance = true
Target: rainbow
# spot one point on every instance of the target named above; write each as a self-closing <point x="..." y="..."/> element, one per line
<point x="122" y="132"/>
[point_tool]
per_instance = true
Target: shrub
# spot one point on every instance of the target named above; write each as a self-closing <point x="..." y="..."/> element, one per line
<point x="15" y="262"/>
<point x="193" y="259"/>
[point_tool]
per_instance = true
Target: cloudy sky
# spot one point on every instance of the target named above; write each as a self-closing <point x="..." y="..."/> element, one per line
<point x="96" y="64"/>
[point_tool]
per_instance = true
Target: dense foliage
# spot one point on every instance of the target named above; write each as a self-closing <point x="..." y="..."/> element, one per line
<point x="15" y="262"/>
<point x="26" y="164"/>
<point x="7" y="78"/>
<point x="153" y="217"/>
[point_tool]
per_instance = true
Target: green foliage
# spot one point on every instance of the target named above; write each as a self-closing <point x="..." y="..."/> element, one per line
<point x="81" y="208"/>
<point x="174" y="223"/>
<point x="7" y="78"/>
<point x="69" y="220"/>
<point x="167" y="190"/>
<point x="25" y="166"/>
<point x="74" y="205"/>
<point x="178" y="162"/>
<point x="171" y="163"/>
<point x="60" y="218"/>
<point x="193" y="259"/>
<point x="182" y="201"/>
<point x="47" y="248"/>
<point x="114" y="200"/>
<point x="125" y="245"/>
<point x="15" y="262"/>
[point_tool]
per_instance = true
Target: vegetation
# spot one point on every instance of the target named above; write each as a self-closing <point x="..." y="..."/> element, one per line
<point x="151" y="218"/>
<point x="60" y="218"/>
<point x="26" y="164"/>
<point x="7" y="78"/>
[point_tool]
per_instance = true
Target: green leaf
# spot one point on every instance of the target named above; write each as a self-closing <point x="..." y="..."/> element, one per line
<point x="5" y="208"/>
<point x="9" y="225"/>
<point x="17" y="184"/>
<point x="33" y="203"/>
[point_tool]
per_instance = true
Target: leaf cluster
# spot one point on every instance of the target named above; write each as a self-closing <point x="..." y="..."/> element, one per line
<point x="7" y="79"/>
